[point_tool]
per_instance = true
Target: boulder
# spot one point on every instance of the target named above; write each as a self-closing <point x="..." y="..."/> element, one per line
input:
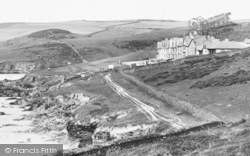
<point x="2" y="113"/>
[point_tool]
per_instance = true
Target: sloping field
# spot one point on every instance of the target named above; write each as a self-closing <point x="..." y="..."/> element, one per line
<point x="186" y="114"/>
<point x="41" y="49"/>
<point x="219" y="84"/>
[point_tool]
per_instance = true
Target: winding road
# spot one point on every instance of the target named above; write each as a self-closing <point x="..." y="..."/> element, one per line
<point x="150" y="112"/>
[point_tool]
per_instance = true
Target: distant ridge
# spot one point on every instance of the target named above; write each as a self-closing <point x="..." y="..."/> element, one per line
<point x="160" y="20"/>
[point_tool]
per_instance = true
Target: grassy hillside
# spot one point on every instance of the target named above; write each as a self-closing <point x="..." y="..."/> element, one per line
<point x="104" y="46"/>
<point x="44" y="49"/>
<point x="111" y="40"/>
<point x="216" y="83"/>
<point x="240" y="33"/>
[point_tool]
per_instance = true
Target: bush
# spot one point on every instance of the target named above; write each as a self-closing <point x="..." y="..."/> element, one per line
<point x="136" y="45"/>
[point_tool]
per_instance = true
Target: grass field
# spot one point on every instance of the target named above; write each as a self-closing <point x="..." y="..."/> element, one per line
<point x="229" y="96"/>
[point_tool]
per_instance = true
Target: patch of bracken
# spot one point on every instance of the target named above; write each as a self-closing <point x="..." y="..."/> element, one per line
<point x="240" y="77"/>
<point x="54" y="34"/>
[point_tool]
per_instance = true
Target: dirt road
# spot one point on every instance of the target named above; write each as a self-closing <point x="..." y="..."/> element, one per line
<point x="149" y="111"/>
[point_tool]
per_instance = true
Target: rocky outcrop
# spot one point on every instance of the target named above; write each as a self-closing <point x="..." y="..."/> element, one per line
<point x="76" y="98"/>
<point x="110" y="134"/>
<point x="17" y="67"/>
<point x="11" y="89"/>
<point x="29" y="85"/>
<point x="2" y="113"/>
<point x="55" y="112"/>
<point x="25" y="66"/>
<point x="78" y="130"/>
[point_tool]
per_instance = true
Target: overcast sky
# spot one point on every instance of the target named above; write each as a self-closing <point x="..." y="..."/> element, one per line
<point x="68" y="10"/>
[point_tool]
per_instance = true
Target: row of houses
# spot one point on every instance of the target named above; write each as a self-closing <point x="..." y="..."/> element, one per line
<point x="180" y="47"/>
<point x="175" y="48"/>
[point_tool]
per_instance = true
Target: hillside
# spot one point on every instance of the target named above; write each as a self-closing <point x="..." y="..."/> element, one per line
<point x="216" y="83"/>
<point x="212" y="119"/>
<point x="40" y="50"/>
<point x="240" y="33"/>
<point x="13" y="30"/>
<point x="112" y="39"/>
<point x="197" y="105"/>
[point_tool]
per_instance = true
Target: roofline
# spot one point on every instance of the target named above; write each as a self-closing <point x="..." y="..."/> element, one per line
<point x="224" y="48"/>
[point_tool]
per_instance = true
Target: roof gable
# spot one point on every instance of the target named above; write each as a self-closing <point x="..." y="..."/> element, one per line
<point x="199" y="41"/>
<point x="187" y="41"/>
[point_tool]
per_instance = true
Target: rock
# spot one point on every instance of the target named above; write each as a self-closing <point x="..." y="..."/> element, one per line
<point x="12" y="98"/>
<point x="85" y="140"/>
<point x="13" y="103"/>
<point x="22" y="102"/>
<point x="2" y="113"/>
<point x="28" y="140"/>
<point x="77" y="131"/>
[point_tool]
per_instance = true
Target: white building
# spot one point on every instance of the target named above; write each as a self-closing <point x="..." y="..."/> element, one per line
<point x="175" y="48"/>
<point x="135" y="63"/>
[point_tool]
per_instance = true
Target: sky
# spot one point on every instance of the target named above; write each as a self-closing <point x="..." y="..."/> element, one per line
<point x="103" y="10"/>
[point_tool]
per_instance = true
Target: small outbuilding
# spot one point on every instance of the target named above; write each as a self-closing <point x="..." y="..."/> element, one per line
<point x="111" y="67"/>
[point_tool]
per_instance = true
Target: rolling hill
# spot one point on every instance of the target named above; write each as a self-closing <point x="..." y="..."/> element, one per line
<point x="62" y="44"/>
<point x="43" y="49"/>
<point x="13" y="30"/>
<point x="54" y="34"/>
<point x="99" y="47"/>
<point x="207" y="96"/>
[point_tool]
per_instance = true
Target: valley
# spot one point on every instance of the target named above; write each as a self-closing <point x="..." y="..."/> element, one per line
<point x="197" y="105"/>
